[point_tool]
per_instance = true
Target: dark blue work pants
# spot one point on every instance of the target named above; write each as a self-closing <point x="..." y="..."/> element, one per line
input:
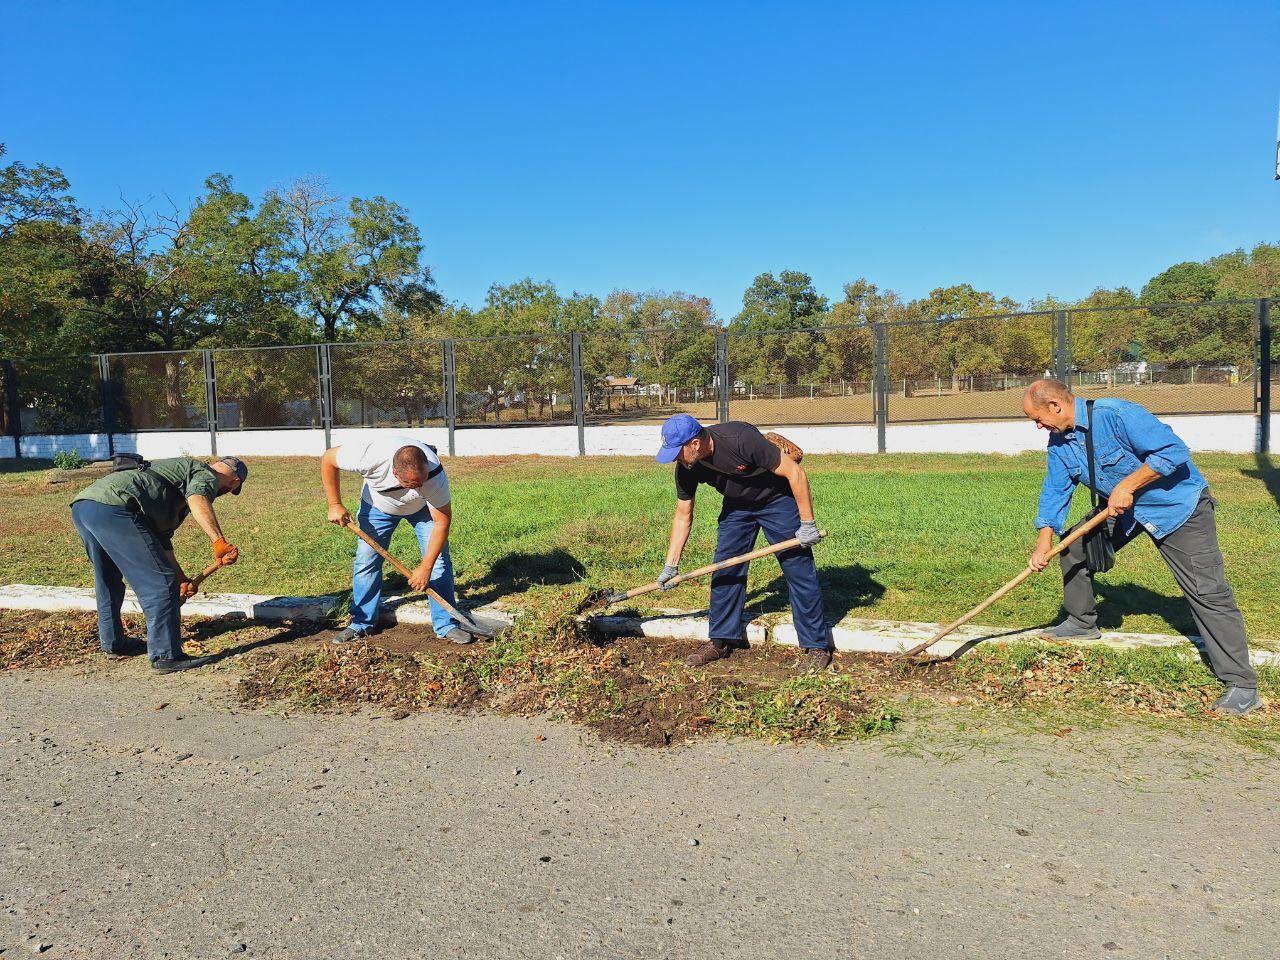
<point x="122" y="547"/>
<point x="779" y="519"/>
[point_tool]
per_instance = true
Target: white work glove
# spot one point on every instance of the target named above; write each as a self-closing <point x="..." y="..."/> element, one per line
<point x="808" y="533"/>
<point x="668" y="572"/>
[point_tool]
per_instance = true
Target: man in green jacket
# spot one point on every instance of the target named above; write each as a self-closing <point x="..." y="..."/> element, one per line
<point x="126" y="521"/>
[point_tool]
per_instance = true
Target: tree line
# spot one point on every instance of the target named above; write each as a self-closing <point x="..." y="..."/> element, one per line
<point x="301" y="265"/>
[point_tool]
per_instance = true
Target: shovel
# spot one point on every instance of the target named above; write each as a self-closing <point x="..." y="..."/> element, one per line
<point x="477" y="626"/>
<point x="703" y="571"/>
<point x="204" y="575"/>
<point x="1062" y="545"/>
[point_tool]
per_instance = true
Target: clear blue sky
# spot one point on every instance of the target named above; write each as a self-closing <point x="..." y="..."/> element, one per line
<point x="1026" y="148"/>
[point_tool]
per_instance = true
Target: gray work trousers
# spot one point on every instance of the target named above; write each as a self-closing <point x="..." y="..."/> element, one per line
<point x="1194" y="557"/>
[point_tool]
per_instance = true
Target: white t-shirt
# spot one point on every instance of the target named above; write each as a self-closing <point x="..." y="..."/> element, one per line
<point x="372" y="460"/>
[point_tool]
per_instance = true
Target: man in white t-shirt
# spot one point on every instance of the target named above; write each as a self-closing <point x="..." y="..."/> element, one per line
<point x="403" y="480"/>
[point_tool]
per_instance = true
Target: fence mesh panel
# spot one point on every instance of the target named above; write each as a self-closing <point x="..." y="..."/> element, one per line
<point x="808" y="377"/>
<point x="648" y="375"/>
<point x="158" y="391"/>
<point x="1194" y="358"/>
<point x="518" y="380"/>
<point x="387" y="384"/>
<point x="62" y="395"/>
<point x="966" y="368"/>
<point x="267" y="387"/>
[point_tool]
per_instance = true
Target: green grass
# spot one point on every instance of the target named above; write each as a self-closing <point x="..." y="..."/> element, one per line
<point x="914" y="537"/>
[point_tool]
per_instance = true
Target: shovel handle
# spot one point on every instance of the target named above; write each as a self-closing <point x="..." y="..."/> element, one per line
<point x="204" y="575"/>
<point x="1062" y="545"/>
<point x="377" y="548"/>
<point x="711" y="568"/>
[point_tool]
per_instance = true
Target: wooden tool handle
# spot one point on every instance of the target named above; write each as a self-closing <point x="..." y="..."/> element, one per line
<point x="206" y="573"/>
<point x="408" y="574"/>
<point x="1062" y="545"/>
<point x="713" y="568"/>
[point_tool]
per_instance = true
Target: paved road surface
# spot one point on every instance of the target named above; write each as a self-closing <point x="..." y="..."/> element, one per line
<point x="127" y="831"/>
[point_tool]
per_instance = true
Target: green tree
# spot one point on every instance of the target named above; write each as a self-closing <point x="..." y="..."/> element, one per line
<point x="759" y="352"/>
<point x="350" y="262"/>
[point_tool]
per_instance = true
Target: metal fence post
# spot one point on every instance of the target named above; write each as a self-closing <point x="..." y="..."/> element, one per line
<point x="1061" y="346"/>
<point x="880" y="383"/>
<point x="108" y="403"/>
<point x="579" y="391"/>
<point x="211" y="400"/>
<point x="450" y="393"/>
<point x="325" y="381"/>
<point x="13" y="405"/>
<point x="722" y="377"/>
<point x="1262" y="376"/>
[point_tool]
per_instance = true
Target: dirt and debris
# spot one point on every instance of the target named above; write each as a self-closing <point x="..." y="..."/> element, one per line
<point x="638" y="690"/>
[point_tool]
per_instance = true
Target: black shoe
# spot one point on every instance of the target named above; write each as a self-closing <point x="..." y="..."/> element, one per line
<point x="130" y="648"/>
<point x="709" y="652"/>
<point x="458" y="635"/>
<point x="1070" y="630"/>
<point x="350" y="635"/>
<point x="182" y="663"/>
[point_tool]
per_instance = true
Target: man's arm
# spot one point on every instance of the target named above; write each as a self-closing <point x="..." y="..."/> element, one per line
<point x="1055" y="501"/>
<point x="442" y="517"/>
<point x="681" y="524"/>
<point x="202" y="510"/>
<point x="1121" y="498"/>
<point x="331" y="478"/>
<point x="799" y="480"/>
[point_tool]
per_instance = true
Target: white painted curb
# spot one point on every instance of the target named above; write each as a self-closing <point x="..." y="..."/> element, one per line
<point x="851" y="635"/>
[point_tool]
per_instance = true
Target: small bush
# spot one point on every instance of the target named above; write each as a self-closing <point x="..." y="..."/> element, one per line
<point x="69" y="460"/>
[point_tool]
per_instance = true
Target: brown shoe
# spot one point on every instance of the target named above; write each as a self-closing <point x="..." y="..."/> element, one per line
<point x="708" y="653"/>
<point x="814" y="661"/>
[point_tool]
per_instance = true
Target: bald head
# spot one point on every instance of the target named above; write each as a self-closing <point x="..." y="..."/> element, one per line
<point x="1041" y="392"/>
<point x="1050" y="405"/>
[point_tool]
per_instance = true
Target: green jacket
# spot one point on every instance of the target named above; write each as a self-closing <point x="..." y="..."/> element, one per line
<point x="159" y="493"/>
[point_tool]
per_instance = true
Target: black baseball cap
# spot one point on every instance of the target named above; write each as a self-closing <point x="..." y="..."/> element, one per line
<point x="239" y="467"/>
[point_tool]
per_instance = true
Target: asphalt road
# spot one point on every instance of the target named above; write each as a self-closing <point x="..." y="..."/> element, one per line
<point x="188" y="831"/>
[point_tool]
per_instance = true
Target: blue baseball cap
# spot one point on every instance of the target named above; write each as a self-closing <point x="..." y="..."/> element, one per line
<point x="676" y="432"/>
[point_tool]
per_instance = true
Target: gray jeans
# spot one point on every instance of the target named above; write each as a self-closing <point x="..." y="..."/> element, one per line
<point x="1194" y="557"/>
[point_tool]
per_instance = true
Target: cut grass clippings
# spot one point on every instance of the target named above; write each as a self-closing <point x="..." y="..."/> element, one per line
<point x="639" y="691"/>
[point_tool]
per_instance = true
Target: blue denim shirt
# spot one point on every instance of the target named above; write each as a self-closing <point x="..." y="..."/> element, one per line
<point x="1125" y="436"/>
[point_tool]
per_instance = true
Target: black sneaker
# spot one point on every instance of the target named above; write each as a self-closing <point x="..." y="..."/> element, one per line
<point x="130" y="648"/>
<point x="182" y="663"/>
<point x="350" y="635"/>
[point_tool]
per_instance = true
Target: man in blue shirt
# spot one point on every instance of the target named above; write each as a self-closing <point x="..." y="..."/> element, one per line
<point x="1145" y="472"/>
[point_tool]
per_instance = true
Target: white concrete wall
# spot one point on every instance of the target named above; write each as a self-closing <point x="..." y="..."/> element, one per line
<point x="7" y="451"/>
<point x="1229" y="433"/>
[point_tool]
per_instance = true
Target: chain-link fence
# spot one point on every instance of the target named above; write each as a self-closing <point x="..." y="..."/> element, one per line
<point x="1189" y="359"/>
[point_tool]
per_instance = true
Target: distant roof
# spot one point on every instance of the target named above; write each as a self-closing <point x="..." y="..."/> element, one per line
<point x="621" y="381"/>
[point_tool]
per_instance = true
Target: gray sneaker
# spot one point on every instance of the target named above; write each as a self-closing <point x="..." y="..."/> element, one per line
<point x="349" y="635"/>
<point x="458" y="635"/>
<point x="1070" y="630"/>
<point x="1237" y="701"/>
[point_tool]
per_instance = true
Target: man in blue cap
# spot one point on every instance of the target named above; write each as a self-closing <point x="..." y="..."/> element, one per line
<point x="763" y="489"/>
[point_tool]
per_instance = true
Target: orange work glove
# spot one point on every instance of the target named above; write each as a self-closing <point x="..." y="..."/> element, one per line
<point x="186" y="589"/>
<point x="224" y="552"/>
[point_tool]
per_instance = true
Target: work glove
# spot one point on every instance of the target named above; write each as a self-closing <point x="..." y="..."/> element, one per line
<point x="668" y="572"/>
<point x="186" y="589"/>
<point x="808" y="533"/>
<point x="224" y="552"/>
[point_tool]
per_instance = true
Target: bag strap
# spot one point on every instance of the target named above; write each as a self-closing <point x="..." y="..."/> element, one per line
<point x="1088" y="449"/>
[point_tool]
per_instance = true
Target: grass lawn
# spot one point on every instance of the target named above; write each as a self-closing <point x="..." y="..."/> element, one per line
<point x="913" y="537"/>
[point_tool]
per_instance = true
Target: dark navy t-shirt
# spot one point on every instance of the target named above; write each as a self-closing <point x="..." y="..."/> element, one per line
<point x="741" y="467"/>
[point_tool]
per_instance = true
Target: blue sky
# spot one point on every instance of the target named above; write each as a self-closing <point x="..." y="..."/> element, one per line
<point x="1022" y="147"/>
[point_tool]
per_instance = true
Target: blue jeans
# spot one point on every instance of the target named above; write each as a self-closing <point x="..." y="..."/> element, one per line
<point x="366" y="577"/>
<point x="779" y="518"/>
<point x="121" y="546"/>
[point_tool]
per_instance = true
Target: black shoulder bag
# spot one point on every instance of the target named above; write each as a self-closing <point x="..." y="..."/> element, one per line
<point x="1099" y="551"/>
